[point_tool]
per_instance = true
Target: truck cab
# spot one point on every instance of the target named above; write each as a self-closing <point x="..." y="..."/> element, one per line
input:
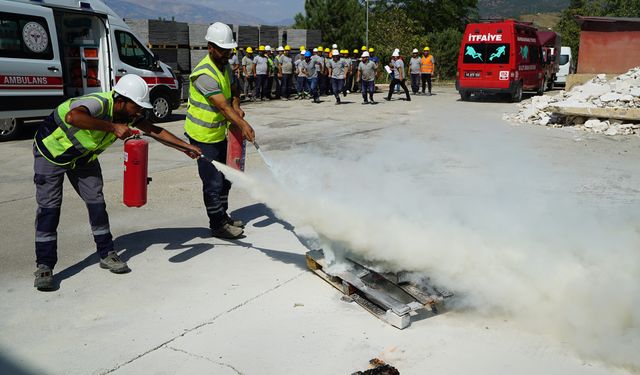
<point x="52" y="50"/>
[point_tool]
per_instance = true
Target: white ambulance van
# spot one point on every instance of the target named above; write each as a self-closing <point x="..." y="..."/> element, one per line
<point x="51" y="50"/>
<point x="566" y="66"/>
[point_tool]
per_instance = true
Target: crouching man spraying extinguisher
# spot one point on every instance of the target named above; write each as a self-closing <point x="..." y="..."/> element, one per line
<point x="69" y="142"/>
<point x="214" y="105"/>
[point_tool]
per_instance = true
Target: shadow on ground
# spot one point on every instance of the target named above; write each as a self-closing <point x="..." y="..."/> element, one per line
<point x="182" y="241"/>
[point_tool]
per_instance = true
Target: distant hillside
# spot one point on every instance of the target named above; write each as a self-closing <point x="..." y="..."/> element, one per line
<point x="515" y="8"/>
<point x="180" y="11"/>
<point x="542" y="20"/>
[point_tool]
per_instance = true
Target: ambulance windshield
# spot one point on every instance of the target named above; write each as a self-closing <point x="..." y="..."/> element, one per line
<point x="484" y="53"/>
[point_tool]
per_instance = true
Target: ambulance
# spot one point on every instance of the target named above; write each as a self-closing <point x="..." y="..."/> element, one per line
<point x="500" y="58"/>
<point x="52" y="50"/>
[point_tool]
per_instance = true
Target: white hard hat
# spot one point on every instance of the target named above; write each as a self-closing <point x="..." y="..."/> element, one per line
<point x="267" y="48"/>
<point x="221" y="35"/>
<point x="365" y="54"/>
<point x="415" y="50"/>
<point x="281" y="48"/>
<point x="134" y="88"/>
<point x="335" y="46"/>
<point x="335" y="52"/>
<point x="315" y="50"/>
<point x="395" y="53"/>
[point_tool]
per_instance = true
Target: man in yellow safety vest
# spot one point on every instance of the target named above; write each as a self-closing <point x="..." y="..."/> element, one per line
<point x="69" y="142"/>
<point x="214" y="105"/>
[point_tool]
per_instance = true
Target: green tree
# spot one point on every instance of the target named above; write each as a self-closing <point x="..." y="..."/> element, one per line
<point x="568" y="24"/>
<point x="340" y="21"/>
<point x="435" y="15"/>
<point x="445" y="47"/>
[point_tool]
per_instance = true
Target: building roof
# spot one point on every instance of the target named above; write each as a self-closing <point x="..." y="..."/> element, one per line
<point x="609" y="23"/>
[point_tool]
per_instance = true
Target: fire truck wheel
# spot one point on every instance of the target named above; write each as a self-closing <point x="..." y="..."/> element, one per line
<point x="161" y="108"/>
<point x="516" y="97"/>
<point x="9" y="128"/>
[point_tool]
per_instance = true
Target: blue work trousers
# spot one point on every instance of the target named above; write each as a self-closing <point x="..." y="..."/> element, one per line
<point x="337" y="85"/>
<point x="215" y="187"/>
<point x="87" y="182"/>
<point x="312" y="82"/>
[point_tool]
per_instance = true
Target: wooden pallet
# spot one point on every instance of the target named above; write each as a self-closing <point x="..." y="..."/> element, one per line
<point x="390" y="297"/>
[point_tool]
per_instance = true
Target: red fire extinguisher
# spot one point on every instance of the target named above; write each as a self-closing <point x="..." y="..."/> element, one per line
<point x="136" y="151"/>
<point x="236" y="148"/>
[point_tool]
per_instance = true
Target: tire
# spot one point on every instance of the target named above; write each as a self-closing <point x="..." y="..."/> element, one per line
<point x="161" y="108"/>
<point x="465" y="95"/>
<point x="516" y="96"/>
<point x="542" y="87"/>
<point x="9" y="128"/>
<point x="550" y="84"/>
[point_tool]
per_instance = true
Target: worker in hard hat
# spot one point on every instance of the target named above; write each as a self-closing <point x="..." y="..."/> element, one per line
<point x="272" y="73"/>
<point x="414" y="70"/>
<point x="285" y="72"/>
<point x="326" y="77"/>
<point x="367" y="76"/>
<point x="354" y="84"/>
<point x="427" y="68"/>
<point x="337" y="72"/>
<point x="399" y="78"/>
<point x="214" y="106"/>
<point x="302" y="88"/>
<point x="247" y="71"/>
<point x="310" y="67"/>
<point x="69" y="142"/>
<point x="261" y="73"/>
<point x="349" y="76"/>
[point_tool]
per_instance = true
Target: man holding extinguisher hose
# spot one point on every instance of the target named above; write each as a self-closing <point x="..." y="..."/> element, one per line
<point x="69" y="142"/>
<point x="214" y="106"/>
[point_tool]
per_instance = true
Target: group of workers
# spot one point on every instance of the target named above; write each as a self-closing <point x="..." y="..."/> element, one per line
<point x="69" y="141"/>
<point x="322" y="71"/>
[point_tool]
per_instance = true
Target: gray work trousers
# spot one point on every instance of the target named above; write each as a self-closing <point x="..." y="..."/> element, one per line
<point x="87" y="182"/>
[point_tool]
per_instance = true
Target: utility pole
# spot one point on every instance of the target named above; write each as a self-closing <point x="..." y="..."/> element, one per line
<point x="366" y="36"/>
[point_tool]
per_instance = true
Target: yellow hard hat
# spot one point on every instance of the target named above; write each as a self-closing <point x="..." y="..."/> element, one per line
<point x="371" y="50"/>
<point x="356" y="51"/>
<point x="287" y="48"/>
<point x="261" y="48"/>
<point x="326" y="49"/>
<point x="427" y="49"/>
<point x="364" y="48"/>
<point x="249" y="50"/>
<point x="302" y="48"/>
<point x="344" y="51"/>
<point x="235" y="50"/>
<point x="320" y="48"/>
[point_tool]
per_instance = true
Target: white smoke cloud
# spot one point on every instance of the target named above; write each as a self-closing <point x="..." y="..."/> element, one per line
<point x="510" y="237"/>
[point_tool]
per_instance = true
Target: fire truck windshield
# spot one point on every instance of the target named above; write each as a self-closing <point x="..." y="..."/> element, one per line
<point x="485" y="53"/>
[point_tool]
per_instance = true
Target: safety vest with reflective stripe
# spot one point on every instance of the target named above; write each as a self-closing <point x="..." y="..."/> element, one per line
<point x="427" y="64"/>
<point x="205" y="123"/>
<point x="66" y="144"/>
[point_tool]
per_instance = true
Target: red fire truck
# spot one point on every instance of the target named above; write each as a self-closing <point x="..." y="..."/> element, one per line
<point x="500" y="58"/>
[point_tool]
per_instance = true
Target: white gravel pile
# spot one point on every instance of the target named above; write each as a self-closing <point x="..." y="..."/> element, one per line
<point x="621" y="92"/>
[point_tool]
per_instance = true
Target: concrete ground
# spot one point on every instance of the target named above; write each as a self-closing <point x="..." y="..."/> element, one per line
<point x="199" y="305"/>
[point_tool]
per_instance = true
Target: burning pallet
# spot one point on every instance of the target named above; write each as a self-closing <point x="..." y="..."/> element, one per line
<point x="393" y="298"/>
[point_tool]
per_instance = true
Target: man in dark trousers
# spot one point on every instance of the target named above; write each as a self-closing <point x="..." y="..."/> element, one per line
<point x="399" y="78"/>
<point x="68" y="143"/>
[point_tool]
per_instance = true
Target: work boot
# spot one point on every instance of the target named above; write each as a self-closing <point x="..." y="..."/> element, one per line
<point x="44" y="278"/>
<point x="227" y="231"/>
<point x="114" y="264"/>
<point x="235" y="223"/>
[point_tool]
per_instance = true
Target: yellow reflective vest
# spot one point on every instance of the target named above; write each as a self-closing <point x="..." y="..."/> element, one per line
<point x="66" y="145"/>
<point x="205" y="123"/>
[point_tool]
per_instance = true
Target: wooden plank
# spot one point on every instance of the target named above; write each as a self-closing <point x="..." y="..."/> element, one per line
<point x="625" y="114"/>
